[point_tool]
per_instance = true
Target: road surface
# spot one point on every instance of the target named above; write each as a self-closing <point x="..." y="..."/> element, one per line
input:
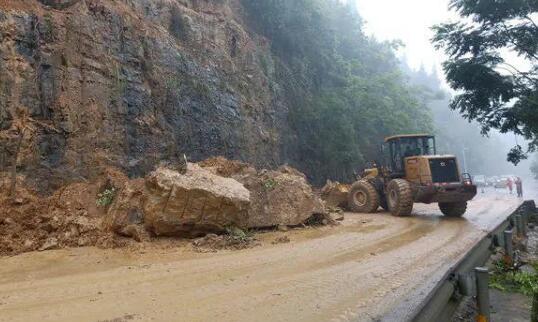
<point x="360" y="270"/>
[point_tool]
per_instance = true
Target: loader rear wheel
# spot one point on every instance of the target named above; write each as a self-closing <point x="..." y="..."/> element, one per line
<point x="363" y="197"/>
<point x="453" y="209"/>
<point x="400" y="197"/>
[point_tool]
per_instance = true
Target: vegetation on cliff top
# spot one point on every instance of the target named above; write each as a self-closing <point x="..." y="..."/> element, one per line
<point x="346" y="90"/>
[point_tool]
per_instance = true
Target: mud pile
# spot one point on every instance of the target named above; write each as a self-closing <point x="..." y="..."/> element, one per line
<point x="214" y="196"/>
<point x="226" y="168"/>
<point x="68" y="218"/>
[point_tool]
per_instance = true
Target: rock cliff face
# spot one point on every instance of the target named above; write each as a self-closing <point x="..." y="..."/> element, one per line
<point x="129" y="83"/>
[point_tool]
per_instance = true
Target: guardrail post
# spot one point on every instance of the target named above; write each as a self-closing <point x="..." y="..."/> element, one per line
<point x="534" y="309"/>
<point x="525" y="223"/>
<point x="533" y="217"/>
<point x="482" y="293"/>
<point x="508" y="247"/>
<point x="519" y="226"/>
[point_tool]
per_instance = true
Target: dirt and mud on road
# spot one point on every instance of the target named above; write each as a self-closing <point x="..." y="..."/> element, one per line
<point x="360" y="270"/>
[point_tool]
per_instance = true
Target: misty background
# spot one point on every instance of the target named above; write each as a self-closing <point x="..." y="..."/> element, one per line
<point x="410" y="22"/>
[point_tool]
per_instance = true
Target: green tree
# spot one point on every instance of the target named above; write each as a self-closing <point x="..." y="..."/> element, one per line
<point x="492" y="90"/>
<point x="345" y="90"/>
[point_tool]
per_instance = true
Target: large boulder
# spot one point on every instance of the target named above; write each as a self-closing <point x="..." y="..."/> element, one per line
<point x="281" y="197"/>
<point x="125" y="216"/>
<point x="194" y="203"/>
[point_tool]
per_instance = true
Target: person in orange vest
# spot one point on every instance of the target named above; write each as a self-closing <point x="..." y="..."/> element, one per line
<point x="510" y="185"/>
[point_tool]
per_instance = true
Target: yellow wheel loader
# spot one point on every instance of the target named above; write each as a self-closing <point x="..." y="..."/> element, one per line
<point x="412" y="171"/>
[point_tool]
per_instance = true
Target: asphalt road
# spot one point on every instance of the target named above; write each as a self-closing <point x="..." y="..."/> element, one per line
<point x="361" y="270"/>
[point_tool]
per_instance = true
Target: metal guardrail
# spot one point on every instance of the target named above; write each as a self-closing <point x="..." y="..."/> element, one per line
<point x="442" y="302"/>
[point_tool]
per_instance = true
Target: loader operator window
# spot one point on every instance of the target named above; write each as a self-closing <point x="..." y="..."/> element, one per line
<point x="411" y="147"/>
<point x="417" y="146"/>
<point x="408" y="147"/>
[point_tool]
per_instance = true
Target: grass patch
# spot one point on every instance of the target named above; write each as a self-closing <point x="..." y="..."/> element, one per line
<point x="508" y="279"/>
<point x="105" y="198"/>
<point x="269" y="184"/>
<point x="238" y="234"/>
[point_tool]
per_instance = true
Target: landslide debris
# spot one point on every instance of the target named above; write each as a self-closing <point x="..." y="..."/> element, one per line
<point x="277" y="197"/>
<point x="234" y="239"/>
<point x="217" y="198"/>
<point x="68" y="218"/>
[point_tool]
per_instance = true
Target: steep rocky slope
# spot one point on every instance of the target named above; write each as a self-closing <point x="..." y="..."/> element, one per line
<point x="129" y="83"/>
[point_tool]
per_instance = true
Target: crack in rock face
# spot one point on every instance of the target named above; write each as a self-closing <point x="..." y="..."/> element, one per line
<point x="123" y="83"/>
<point x="59" y="4"/>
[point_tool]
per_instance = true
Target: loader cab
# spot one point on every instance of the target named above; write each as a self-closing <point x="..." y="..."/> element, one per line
<point x="397" y="148"/>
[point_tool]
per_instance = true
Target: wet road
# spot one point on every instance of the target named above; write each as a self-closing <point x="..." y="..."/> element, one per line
<point x="360" y="270"/>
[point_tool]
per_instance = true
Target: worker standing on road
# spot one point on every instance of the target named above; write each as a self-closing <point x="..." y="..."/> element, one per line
<point x="519" y="187"/>
<point x="510" y="184"/>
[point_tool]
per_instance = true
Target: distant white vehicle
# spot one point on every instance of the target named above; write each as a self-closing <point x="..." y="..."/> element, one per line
<point x="492" y="180"/>
<point x="502" y="182"/>
<point x="480" y="180"/>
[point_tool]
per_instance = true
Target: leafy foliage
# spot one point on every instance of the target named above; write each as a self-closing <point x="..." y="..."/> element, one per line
<point x="492" y="90"/>
<point x="346" y="90"/>
<point x="507" y="279"/>
<point x="483" y="155"/>
<point x="106" y="197"/>
<point x="238" y="234"/>
<point x="269" y="184"/>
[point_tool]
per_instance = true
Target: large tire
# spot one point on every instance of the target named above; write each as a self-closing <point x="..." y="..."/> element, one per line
<point x="453" y="209"/>
<point x="400" y="197"/>
<point x="363" y="197"/>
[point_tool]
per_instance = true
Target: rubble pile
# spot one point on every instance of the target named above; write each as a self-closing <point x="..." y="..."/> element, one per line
<point x="212" y="197"/>
<point x="68" y="218"/>
<point x="280" y="197"/>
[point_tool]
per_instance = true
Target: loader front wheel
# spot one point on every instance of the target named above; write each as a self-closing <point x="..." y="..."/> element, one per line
<point x="363" y="197"/>
<point x="453" y="209"/>
<point x="400" y="197"/>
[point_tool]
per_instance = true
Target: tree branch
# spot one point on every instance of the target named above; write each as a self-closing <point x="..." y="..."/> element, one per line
<point x="512" y="41"/>
<point x="531" y="21"/>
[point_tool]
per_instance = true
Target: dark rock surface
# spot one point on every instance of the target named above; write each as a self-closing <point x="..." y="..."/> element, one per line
<point x="131" y="83"/>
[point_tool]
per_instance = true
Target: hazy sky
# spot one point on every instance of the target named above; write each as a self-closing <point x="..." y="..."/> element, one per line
<point x="408" y="21"/>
